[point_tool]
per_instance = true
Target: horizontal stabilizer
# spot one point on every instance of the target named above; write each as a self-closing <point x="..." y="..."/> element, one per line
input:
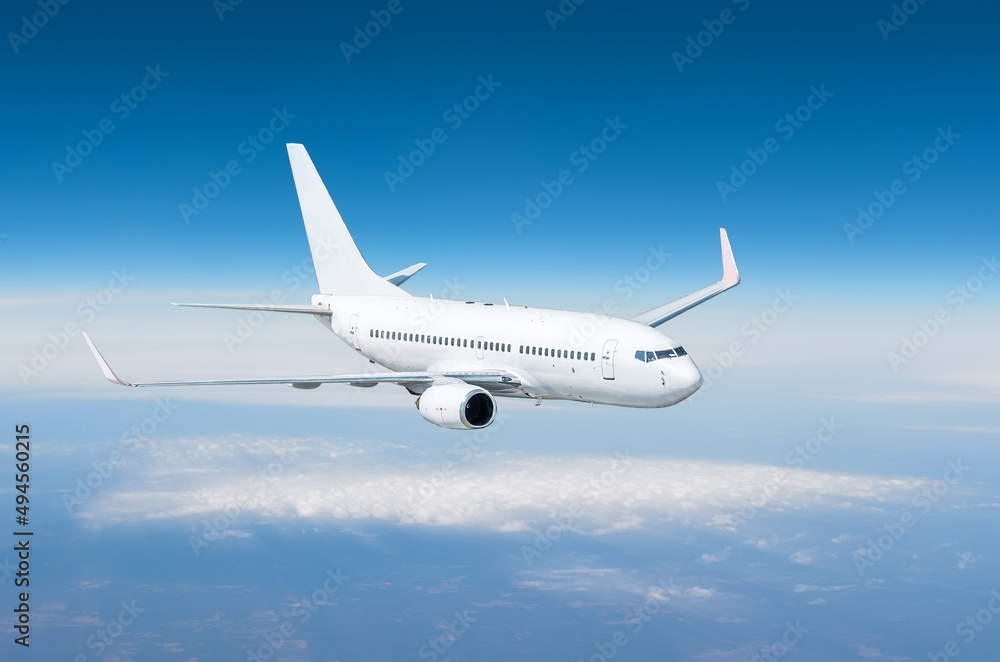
<point x="404" y="275"/>
<point x="668" y="311"/>
<point x="273" y="308"/>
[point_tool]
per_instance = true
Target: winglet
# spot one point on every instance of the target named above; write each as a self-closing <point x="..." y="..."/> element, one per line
<point x="730" y="274"/>
<point x="668" y="311"/>
<point x="105" y="368"/>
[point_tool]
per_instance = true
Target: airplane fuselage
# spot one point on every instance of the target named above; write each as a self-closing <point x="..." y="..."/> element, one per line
<point x="555" y="354"/>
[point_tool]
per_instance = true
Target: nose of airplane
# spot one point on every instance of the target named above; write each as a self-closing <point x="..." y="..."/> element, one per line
<point x="685" y="378"/>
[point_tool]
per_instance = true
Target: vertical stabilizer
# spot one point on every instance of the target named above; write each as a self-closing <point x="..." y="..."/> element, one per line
<point x="340" y="269"/>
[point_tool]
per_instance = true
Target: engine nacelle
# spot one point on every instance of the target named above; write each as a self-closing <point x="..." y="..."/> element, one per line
<point x="457" y="406"/>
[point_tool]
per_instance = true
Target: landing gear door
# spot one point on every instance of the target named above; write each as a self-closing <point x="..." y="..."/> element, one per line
<point x="608" y="359"/>
<point x="354" y="333"/>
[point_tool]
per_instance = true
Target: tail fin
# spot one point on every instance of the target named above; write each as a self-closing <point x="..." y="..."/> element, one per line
<point x="340" y="269"/>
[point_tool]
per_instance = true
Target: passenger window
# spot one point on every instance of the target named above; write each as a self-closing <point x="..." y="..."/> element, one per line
<point x="490" y="346"/>
<point x="479" y="344"/>
<point x="533" y="350"/>
<point x="593" y="356"/>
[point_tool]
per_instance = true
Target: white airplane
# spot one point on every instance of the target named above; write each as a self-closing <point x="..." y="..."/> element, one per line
<point x="457" y="356"/>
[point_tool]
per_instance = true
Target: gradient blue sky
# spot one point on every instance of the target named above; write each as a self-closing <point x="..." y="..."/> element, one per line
<point x="657" y="184"/>
<point x="347" y="501"/>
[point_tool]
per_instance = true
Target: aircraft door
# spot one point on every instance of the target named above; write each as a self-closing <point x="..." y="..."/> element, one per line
<point x="608" y="359"/>
<point x="354" y="333"/>
<point x="479" y="348"/>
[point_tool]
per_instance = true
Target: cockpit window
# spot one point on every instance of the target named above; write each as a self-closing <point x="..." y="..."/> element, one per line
<point x="646" y="357"/>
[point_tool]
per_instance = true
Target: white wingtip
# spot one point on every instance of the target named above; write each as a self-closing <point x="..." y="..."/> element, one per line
<point x="730" y="274"/>
<point x="105" y="368"/>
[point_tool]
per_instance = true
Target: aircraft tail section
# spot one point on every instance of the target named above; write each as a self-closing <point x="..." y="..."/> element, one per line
<point x="340" y="268"/>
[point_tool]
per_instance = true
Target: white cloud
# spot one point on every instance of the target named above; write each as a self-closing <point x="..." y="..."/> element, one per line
<point x="925" y="398"/>
<point x="954" y="428"/>
<point x="699" y="592"/>
<point x="965" y="559"/>
<point x="876" y="654"/>
<point x="807" y="588"/>
<point x="716" y="557"/>
<point x="587" y="495"/>
<point x="762" y="545"/>
<point x="802" y="557"/>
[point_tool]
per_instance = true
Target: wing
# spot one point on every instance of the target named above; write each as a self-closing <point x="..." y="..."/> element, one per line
<point x="274" y="308"/>
<point x="496" y="380"/>
<point x="668" y="311"/>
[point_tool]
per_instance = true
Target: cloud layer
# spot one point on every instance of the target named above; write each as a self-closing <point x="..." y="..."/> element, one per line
<point x="260" y="480"/>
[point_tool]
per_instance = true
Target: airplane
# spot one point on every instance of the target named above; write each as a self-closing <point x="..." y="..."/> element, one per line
<point x="457" y="357"/>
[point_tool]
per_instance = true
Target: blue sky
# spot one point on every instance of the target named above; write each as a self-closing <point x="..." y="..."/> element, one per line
<point x="685" y="131"/>
<point x="658" y="545"/>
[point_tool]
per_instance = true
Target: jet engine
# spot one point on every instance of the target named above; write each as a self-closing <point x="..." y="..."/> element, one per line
<point x="457" y="406"/>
